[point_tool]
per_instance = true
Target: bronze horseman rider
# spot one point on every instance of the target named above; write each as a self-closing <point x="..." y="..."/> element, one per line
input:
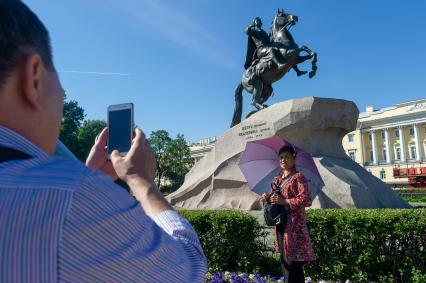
<point x="269" y="58"/>
<point x="264" y="51"/>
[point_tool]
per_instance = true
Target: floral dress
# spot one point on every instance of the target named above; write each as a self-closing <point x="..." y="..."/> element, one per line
<point x="297" y="242"/>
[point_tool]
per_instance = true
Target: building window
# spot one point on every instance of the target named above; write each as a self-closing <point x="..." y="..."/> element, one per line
<point x="369" y="137"/>
<point x="383" y="135"/>
<point x="411" y="130"/>
<point x="382" y="174"/>
<point x="371" y="155"/>
<point x="397" y="133"/>
<point x="350" y="137"/>
<point x="352" y="155"/>
<point x="384" y="155"/>
<point x="398" y="153"/>
<point x="413" y="152"/>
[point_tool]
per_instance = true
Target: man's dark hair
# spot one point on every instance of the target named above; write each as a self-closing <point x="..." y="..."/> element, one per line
<point x="289" y="149"/>
<point x="21" y="32"/>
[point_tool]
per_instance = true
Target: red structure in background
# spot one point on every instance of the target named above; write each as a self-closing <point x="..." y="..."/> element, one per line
<point x="416" y="174"/>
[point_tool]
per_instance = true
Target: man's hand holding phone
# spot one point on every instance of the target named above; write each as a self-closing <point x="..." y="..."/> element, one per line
<point x="138" y="163"/>
<point x="98" y="157"/>
<point x="137" y="169"/>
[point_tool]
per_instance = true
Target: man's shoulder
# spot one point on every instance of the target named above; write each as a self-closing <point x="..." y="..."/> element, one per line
<point x="64" y="166"/>
<point x="52" y="172"/>
<point x="57" y="173"/>
<point x="73" y="172"/>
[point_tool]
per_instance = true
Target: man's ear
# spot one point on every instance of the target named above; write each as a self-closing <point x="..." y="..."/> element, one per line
<point x="31" y="80"/>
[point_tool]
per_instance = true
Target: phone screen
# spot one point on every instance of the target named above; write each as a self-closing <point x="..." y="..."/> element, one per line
<point x="120" y="130"/>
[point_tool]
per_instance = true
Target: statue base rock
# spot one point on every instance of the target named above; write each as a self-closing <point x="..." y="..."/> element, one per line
<point x="317" y="125"/>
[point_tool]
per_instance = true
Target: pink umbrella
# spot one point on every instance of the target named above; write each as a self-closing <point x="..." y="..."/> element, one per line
<point x="259" y="164"/>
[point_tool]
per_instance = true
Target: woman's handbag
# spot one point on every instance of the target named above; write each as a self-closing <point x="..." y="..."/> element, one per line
<point x="275" y="214"/>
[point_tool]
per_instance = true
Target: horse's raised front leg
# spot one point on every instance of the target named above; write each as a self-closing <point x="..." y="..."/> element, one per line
<point x="299" y="72"/>
<point x="300" y="59"/>
<point x="314" y="60"/>
<point x="313" y="56"/>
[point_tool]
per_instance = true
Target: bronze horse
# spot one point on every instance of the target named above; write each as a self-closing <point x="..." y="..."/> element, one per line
<point x="262" y="72"/>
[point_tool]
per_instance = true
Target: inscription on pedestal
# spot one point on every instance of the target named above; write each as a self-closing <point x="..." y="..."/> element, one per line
<point x="256" y="130"/>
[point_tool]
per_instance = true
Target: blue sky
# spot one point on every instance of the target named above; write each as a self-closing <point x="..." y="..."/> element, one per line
<point x="179" y="61"/>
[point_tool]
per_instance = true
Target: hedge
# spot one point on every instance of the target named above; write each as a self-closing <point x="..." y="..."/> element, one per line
<point x="231" y="240"/>
<point x="385" y="245"/>
<point x="381" y="244"/>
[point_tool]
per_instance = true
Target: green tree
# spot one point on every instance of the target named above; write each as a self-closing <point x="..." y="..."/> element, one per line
<point x="86" y="136"/>
<point x="173" y="160"/>
<point x="160" y="142"/>
<point x="180" y="161"/>
<point x="73" y="116"/>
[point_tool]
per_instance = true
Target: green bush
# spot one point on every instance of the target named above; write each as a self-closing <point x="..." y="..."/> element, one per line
<point x="232" y="240"/>
<point x="388" y="245"/>
<point x="384" y="245"/>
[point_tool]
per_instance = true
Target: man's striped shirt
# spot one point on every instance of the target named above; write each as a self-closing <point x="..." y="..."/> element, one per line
<point x="62" y="222"/>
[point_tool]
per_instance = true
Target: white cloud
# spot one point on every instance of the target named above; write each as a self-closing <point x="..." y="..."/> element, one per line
<point x="95" y="73"/>
<point x="178" y="27"/>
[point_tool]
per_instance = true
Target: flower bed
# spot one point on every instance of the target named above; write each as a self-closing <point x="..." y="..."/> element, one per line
<point x="228" y="277"/>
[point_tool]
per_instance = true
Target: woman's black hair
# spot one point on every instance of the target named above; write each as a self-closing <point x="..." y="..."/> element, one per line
<point x="289" y="149"/>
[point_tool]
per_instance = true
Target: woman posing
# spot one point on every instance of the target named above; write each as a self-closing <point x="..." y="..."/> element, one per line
<point x="292" y="238"/>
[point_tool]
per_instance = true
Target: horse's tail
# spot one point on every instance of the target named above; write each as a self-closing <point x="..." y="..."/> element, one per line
<point x="238" y="110"/>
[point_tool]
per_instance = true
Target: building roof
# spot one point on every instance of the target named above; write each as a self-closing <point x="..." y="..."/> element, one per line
<point x="409" y="111"/>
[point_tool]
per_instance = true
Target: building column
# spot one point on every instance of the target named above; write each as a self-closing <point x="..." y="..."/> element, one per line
<point x="401" y="143"/>
<point x="373" y="145"/>
<point x="416" y="139"/>
<point x="388" y="148"/>
<point x="362" y="148"/>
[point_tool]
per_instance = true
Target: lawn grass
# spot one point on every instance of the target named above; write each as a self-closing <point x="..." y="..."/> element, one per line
<point x="417" y="203"/>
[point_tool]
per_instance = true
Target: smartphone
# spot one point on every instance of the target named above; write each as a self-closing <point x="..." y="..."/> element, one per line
<point x="120" y="128"/>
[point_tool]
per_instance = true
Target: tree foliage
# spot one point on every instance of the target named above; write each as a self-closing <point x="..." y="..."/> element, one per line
<point x="86" y="136"/>
<point x="73" y="116"/>
<point x="160" y="142"/>
<point x="173" y="159"/>
<point x="78" y="135"/>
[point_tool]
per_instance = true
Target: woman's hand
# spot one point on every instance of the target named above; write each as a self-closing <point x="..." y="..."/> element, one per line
<point x="265" y="197"/>
<point x="278" y="199"/>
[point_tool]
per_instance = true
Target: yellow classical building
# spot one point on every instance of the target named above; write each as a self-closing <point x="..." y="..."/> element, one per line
<point x="202" y="147"/>
<point x="390" y="138"/>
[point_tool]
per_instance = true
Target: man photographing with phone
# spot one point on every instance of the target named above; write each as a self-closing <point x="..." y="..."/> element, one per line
<point x="61" y="221"/>
<point x="137" y="169"/>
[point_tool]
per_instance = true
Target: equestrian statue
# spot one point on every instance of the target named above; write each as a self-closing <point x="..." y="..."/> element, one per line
<point x="269" y="57"/>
